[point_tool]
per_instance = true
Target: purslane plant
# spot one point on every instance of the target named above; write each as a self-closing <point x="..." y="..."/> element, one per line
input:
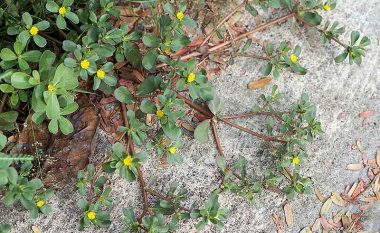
<point x="87" y="43"/>
<point x="19" y="189"/>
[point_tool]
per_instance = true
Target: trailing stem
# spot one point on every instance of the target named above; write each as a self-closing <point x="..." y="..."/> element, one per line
<point x="140" y="174"/>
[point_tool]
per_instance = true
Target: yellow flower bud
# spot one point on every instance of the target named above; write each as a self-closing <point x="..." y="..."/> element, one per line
<point x="167" y="51"/>
<point x="51" y="88"/>
<point x="128" y="161"/>
<point x="172" y="150"/>
<point x="191" y="78"/>
<point x="180" y="15"/>
<point x="296" y="160"/>
<point x="62" y="11"/>
<point x="91" y="215"/>
<point x="100" y="73"/>
<point x="85" y="64"/>
<point x="160" y="114"/>
<point x="33" y="31"/>
<point x="327" y="7"/>
<point x="40" y="203"/>
<point x="293" y="58"/>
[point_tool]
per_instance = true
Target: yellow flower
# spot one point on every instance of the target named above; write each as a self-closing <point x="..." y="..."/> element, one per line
<point x="33" y="31"/>
<point x="62" y="11"/>
<point x="296" y="160"/>
<point x="160" y="114"/>
<point x="51" y="88"/>
<point x="293" y="58"/>
<point x="327" y="7"/>
<point x="85" y="64"/>
<point x="191" y="78"/>
<point x="172" y="150"/>
<point x="180" y="15"/>
<point x="100" y="73"/>
<point x="91" y="215"/>
<point x="167" y="51"/>
<point x="40" y="203"/>
<point x="128" y="161"/>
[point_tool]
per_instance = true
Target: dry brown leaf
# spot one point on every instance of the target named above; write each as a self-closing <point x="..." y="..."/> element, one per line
<point x="287" y="174"/>
<point x="370" y="174"/>
<point x="355" y="166"/>
<point x="289" y="215"/>
<point x="325" y="224"/>
<point x="138" y="75"/>
<point x="119" y="65"/>
<point x="12" y="139"/>
<point x="368" y="199"/>
<point x="279" y="224"/>
<point x="378" y="158"/>
<point x="352" y="189"/>
<point x="316" y="225"/>
<point x="337" y="199"/>
<point x="364" y="207"/>
<point x="346" y="220"/>
<point x="376" y="185"/>
<point x="306" y="230"/>
<point x="360" y="146"/>
<point x="334" y="224"/>
<point x="319" y="194"/>
<point x="358" y="189"/>
<point x="338" y="216"/>
<point x="148" y="119"/>
<point x="187" y="126"/>
<point x="326" y="207"/>
<point x="376" y="171"/>
<point x="371" y="161"/>
<point x="36" y="229"/>
<point x="259" y="83"/>
<point x="364" y="115"/>
<point x="235" y="18"/>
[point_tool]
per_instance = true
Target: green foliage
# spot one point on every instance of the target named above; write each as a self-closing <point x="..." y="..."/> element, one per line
<point x="92" y="214"/>
<point x="211" y="212"/>
<point x="19" y="189"/>
<point x="125" y="163"/>
<point x="284" y="57"/>
<point x="5" y="228"/>
<point x="201" y="132"/>
<point x="64" y="12"/>
<point x="94" y="208"/>
<point x="29" y="30"/>
<point x="244" y="185"/>
<point x="137" y="129"/>
<point x="43" y="63"/>
<point x="7" y="120"/>
<point x="354" y="51"/>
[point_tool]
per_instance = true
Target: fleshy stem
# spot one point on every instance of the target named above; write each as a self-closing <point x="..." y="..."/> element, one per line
<point x="244" y="35"/>
<point x="162" y="197"/>
<point x="249" y="114"/>
<point x="228" y="167"/>
<point x="258" y="135"/>
<point x="210" y="115"/>
<point x="319" y="30"/>
<point x="3" y="101"/>
<point x="240" y="55"/>
<point x="139" y="172"/>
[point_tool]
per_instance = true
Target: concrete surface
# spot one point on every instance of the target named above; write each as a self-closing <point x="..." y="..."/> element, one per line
<point x="339" y="91"/>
